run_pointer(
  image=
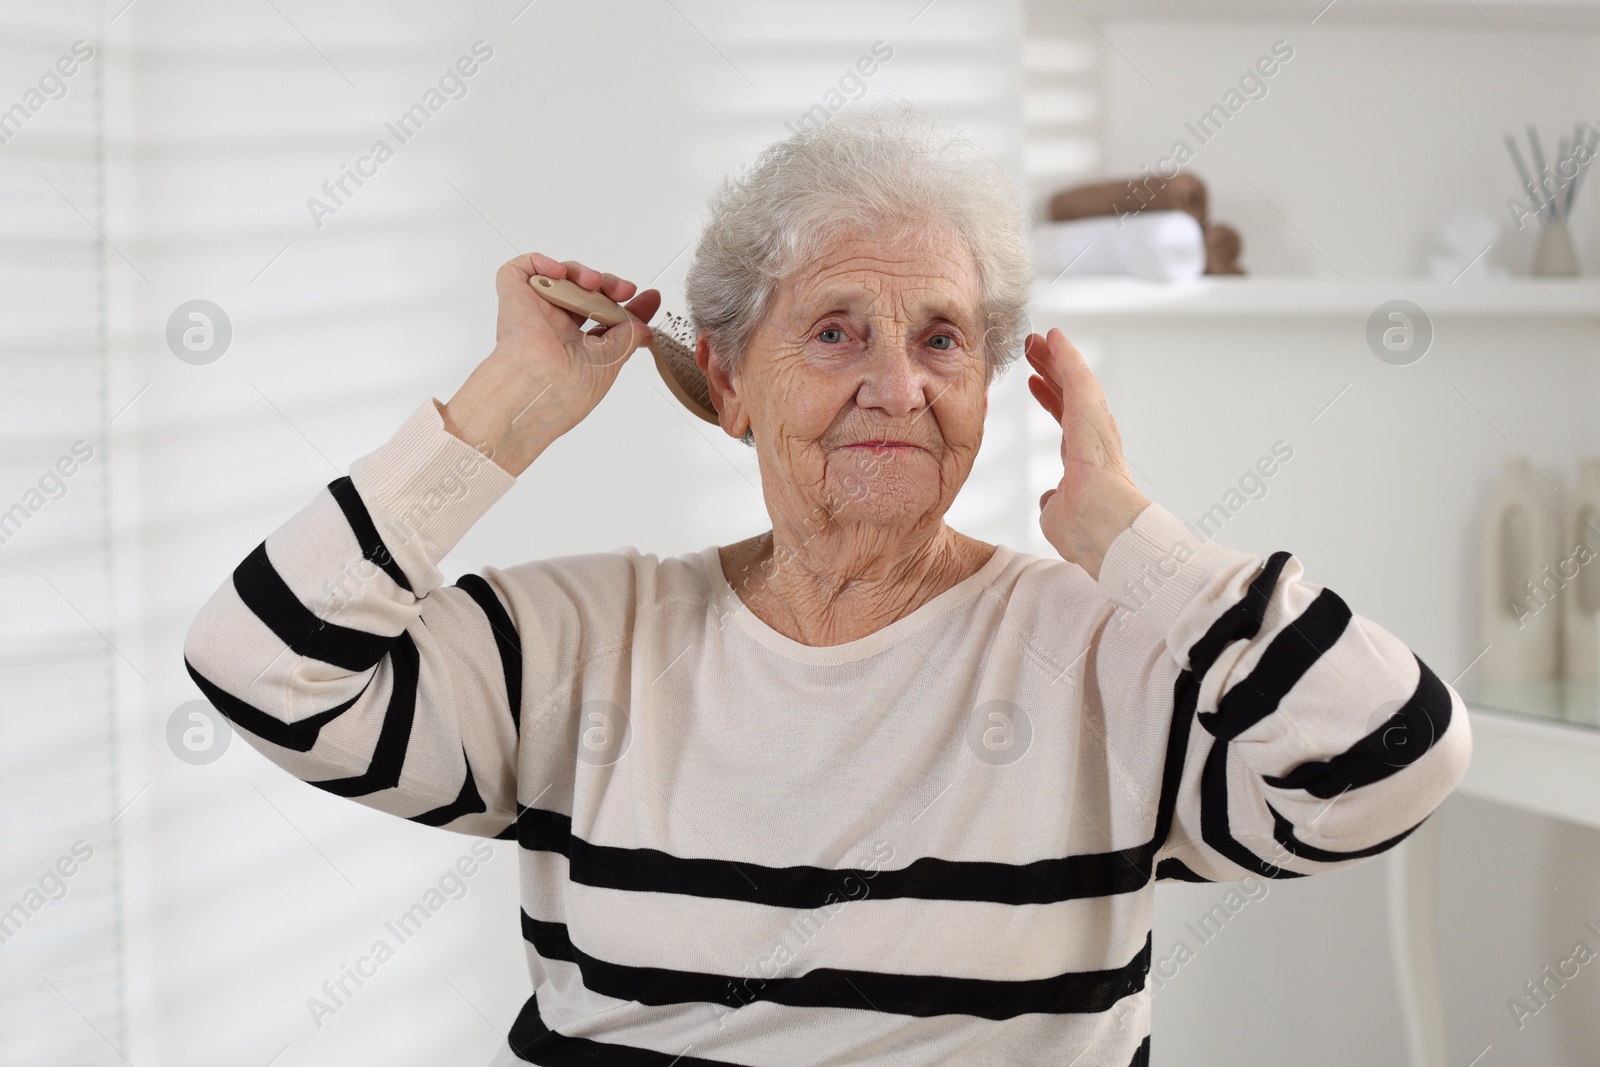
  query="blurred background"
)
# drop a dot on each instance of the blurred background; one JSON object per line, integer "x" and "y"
{"x": 184, "y": 159}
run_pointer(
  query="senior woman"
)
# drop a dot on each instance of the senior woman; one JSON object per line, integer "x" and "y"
{"x": 861, "y": 789}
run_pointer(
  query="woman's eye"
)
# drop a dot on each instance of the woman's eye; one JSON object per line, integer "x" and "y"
{"x": 831, "y": 336}
{"x": 942, "y": 341}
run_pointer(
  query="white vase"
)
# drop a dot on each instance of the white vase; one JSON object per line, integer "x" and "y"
{"x": 1521, "y": 621}
{"x": 1580, "y": 621}
{"x": 1553, "y": 256}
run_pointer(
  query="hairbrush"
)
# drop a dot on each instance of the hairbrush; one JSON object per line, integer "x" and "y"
{"x": 672, "y": 342}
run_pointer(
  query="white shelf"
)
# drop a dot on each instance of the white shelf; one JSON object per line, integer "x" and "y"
{"x": 1486, "y": 14}
{"x": 1131, "y": 298}
{"x": 1552, "y": 768}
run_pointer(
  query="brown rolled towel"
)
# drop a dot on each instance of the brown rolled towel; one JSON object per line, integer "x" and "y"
{"x": 1183, "y": 192}
{"x": 1223, "y": 245}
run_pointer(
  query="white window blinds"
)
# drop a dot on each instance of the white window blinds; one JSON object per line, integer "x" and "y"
{"x": 61, "y": 995}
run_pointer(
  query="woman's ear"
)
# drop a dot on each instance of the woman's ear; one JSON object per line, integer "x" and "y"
{"x": 724, "y": 391}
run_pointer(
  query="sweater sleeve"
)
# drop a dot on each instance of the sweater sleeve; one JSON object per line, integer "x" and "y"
{"x": 335, "y": 651}
{"x": 1305, "y": 737}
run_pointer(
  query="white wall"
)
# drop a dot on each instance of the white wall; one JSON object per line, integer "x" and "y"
{"x": 1367, "y": 139}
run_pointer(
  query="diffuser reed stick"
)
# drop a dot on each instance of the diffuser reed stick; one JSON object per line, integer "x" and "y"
{"x": 1552, "y": 190}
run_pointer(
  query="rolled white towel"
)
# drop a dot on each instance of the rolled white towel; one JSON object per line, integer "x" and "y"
{"x": 1162, "y": 246}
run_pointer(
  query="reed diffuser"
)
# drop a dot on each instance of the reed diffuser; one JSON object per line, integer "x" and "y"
{"x": 1550, "y": 194}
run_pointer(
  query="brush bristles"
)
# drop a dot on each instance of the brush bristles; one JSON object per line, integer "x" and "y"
{"x": 674, "y": 343}
{"x": 679, "y": 328}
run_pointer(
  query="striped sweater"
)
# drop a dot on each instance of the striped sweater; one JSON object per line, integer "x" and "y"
{"x": 936, "y": 844}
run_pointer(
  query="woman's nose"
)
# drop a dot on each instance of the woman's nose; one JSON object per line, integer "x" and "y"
{"x": 894, "y": 381}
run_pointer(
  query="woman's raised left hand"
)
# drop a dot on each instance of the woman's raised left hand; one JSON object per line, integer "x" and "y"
{"x": 1096, "y": 499}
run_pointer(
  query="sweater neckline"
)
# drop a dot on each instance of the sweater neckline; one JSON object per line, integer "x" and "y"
{"x": 729, "y": 604}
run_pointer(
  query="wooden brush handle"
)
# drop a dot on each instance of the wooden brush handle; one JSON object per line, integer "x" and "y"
{"x": 577, "y": 299}
{"x": 675, "y": 362}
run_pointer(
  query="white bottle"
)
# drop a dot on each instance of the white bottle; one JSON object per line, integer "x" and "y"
{"x": 1580, "y": 601}
{"x": 1521, "y": 599}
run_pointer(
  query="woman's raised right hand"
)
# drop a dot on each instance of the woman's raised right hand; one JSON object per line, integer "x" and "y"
{"x": 545, "y": 374}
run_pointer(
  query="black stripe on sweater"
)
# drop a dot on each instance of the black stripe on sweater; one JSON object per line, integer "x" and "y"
{"x": 467, "y": 802}
{"x": 1397, "y": 742}
{"x": 1215, "y": 828}
{"x": 1185, "y": 692}
{"x": 394, "y": 736}
{"x": 923, "y": 996}
{"x": 506, "y": 640}
{"x": 534, "y": 1042}
{"x": 1141, "y": 1055}
{"x": 298, "y": 736}
{"x": 1286, "y": 659}
{"x": 1283, "y": 833}
{"x": 1173, "y": 869}
{"x": 1242, "y": 621}
{"x": 366, "y": 532}
{"x": 648, "y": 870}
{"x": 266, "y": 594}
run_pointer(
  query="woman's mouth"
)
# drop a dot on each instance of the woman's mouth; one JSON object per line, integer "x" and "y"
{"x": 882, "y": 446}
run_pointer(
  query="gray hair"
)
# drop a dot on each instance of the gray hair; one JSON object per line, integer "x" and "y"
{"x": 865, "y": 169}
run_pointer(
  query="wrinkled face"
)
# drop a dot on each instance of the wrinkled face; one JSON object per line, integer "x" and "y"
{"x": 867, "y": 383}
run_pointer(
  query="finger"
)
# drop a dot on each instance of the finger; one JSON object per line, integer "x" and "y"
{"x": 643, "y": 307}
{"x": 1079, "y": 388}
{"x": 1047, "y": 399}
{"x": 1036, "y": 352}
{"x": 1050, "y": 388}
{"x": 598, "y": 330}
{"x": 587, "y": 277}
{"x": 1045, "y": 498}
{"x": 546, "y": 265}
{"x": 1068, "y": 360}
{"x": 511, "y": 280}
{"x": 532, "y": 263}
{"x": 616, "y": 343}
{"x": 646, "y": 304}
{"x": 618, "y": 289}
{"x": 1041, "y": 358}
